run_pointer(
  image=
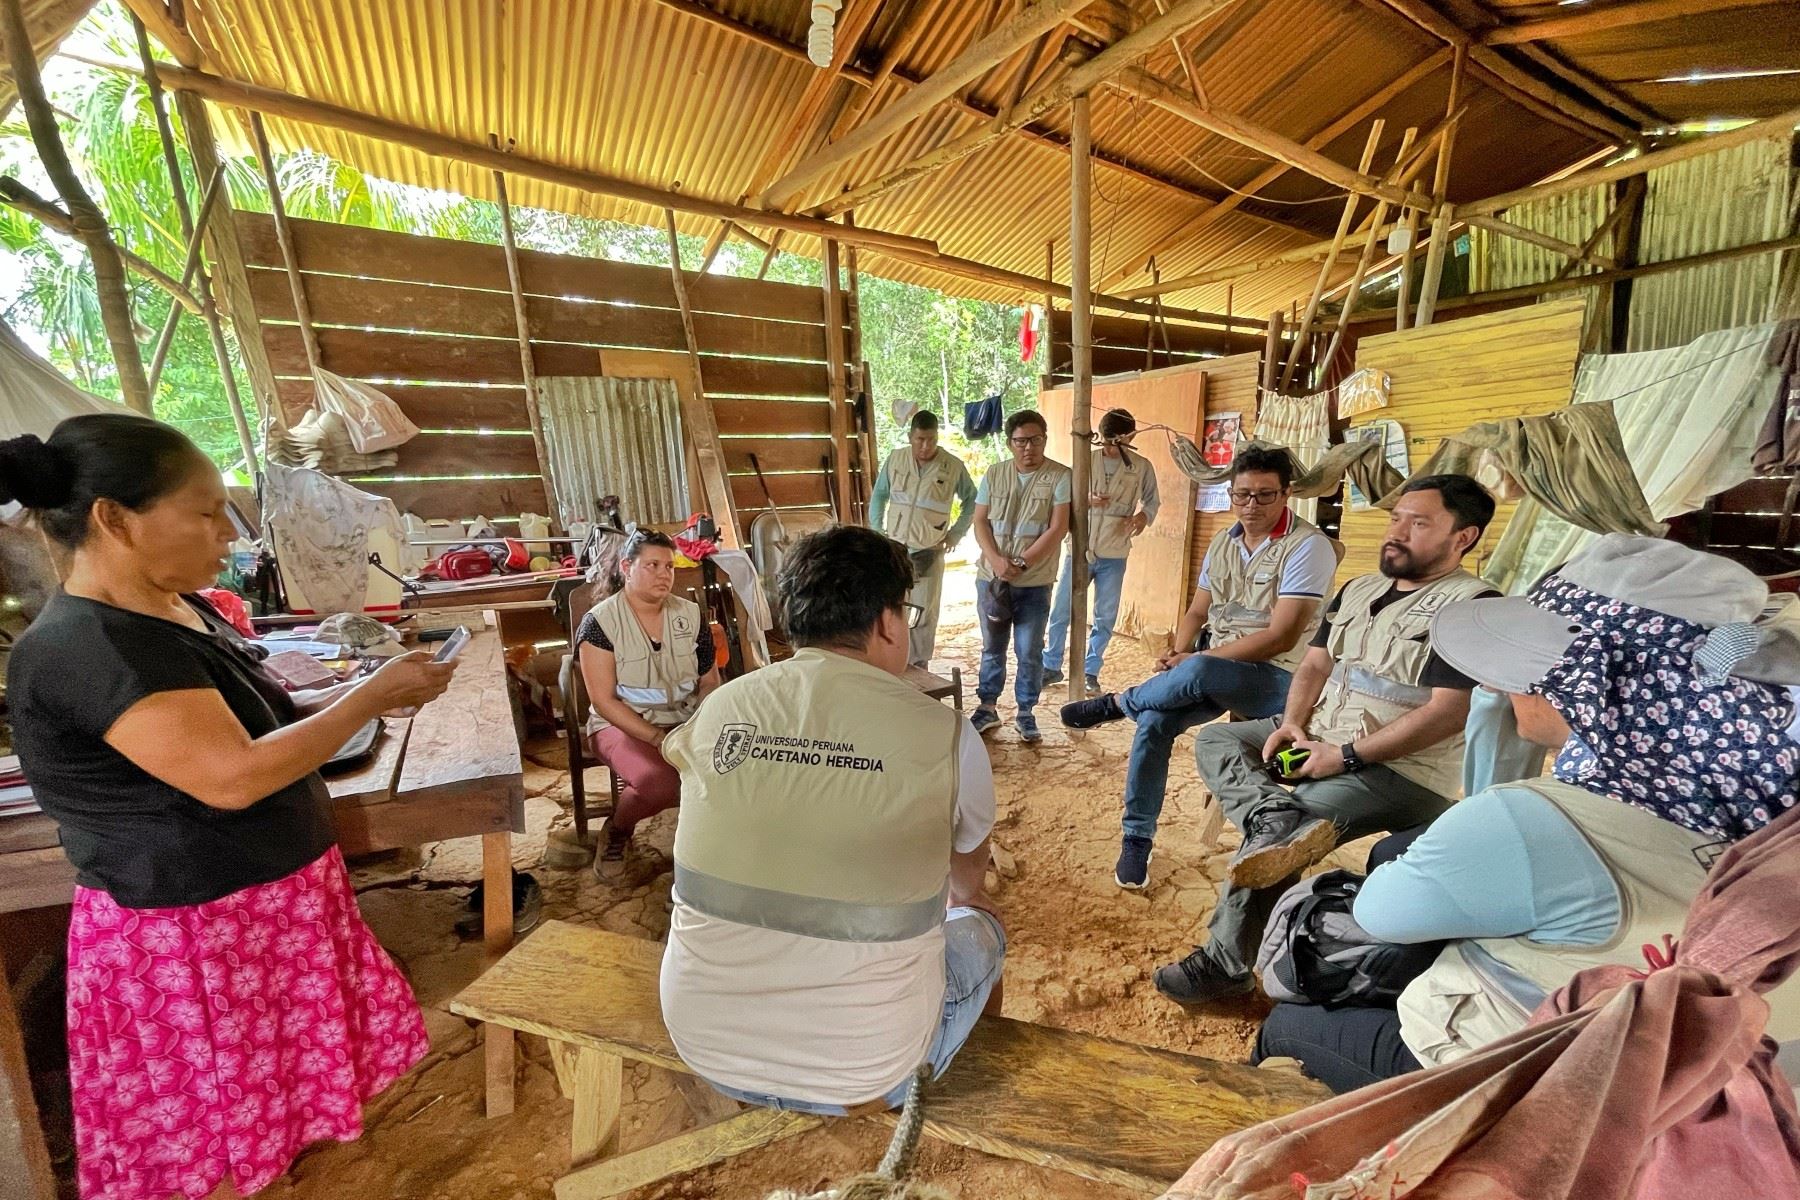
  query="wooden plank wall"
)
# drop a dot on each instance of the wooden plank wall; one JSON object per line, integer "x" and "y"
{"x": 1119, "y": 345}
{"x": 1744, "y": 524}
{"x": 1231, "y": 386}
{"x": 431, "y": 321}
{"x": 1450, "y": 376}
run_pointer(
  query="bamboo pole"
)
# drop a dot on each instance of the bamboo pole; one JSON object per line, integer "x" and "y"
{"x": 835, "y": 364}
{"x": 967, "y": 67}
{"x": 1272, "y": 350}
{"x": 1362, "y": 266}
{"x": 865, "y": 400}
{"x": 284, "y": 236}
{"x": 1441, "y": 218}
{"x": 1337, "y": 243}
{"x": 697, "y": 413}
{"x": 193, "y": 227}
{"x": 1081, "y": 330}
{"x": 522, "y": 322}
{"x": 1299, "y": 254}
{"x": 770, "y": 251}
{"x": 1616, "y": 16}
{"x": 16, "y": 195}
{"x": 1440, "y": 186}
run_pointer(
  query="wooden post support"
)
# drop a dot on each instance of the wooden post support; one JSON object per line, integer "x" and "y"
{"x": 1081, "y": 326}
{"x": 284, "y": 236}
{"x": 1434, "y": 264}
{"x": 90, "y": 223}
{"x": 1271, "y": 364}
{"x": 521, "y": 321}
{"x": 862, "y": 394}
{"x": 1631, "y": 195}
{"x": 697, "y": 412}
{"x": 193, "y": 227}
{"x": 497, "y": 938}
{"x": 835, "y": 364}
{"x": 1362, "y": 266}
{"x": 1331, "y": 256}
{"x": 25, "y": 1170}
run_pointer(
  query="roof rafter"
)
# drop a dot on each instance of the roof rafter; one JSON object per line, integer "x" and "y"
{"x": 1616, "y": 16}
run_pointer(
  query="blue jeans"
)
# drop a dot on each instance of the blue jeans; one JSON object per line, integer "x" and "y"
{"x": 1170, "y": 703}
{"x": 1031, "y": 612}
{"x": 974, "y": 951}
{"x": 1109, "y": 584}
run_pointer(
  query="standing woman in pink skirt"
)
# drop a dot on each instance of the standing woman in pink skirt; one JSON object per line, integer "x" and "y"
{"x": 227, "y": 1006}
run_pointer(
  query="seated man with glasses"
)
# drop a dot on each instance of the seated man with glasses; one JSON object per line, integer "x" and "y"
{"x": 1021, "y": 518}
{"x": 1261, "y": 587}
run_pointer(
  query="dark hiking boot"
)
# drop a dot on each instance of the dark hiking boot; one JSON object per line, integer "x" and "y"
{"x": 985, "y": 720}
{"x": 1133, "y": 869}
{"x": 1196, "y": 981}
{"x": 1085, "y": 714}
{"x": 1052, "y": 678}
{"x": 1093, "y": 684}
{"x": 1279, "y": 842}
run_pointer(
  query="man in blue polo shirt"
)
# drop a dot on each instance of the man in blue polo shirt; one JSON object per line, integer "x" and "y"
{"x": 1261, "y": 587}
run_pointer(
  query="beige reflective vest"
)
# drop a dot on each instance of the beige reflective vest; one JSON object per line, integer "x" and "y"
{"x": 1109, "y": 534}
{"x": 1483, "y": 989}
{"x": 1380, "y": 669}
{"x": 1244, "y": 592}
{"x": 1020, "y": 514}
{"x": 818, "y": 797}
{"x": 920, "y": 497}
{"x": 657, "y": 684}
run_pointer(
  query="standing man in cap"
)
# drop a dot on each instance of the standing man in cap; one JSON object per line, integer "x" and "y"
{"x": 1378, "y": 716}
{"x": 911, "y": 503}
{"x": 1122, "y": 502}
{"x": 1021, "y": 518}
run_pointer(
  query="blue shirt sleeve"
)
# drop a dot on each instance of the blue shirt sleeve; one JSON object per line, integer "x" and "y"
{"x": 981, "y": 493}
{"x": 1505, "y": 863}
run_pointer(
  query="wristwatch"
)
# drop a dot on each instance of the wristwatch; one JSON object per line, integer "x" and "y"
{"x": 1352, "y": 760}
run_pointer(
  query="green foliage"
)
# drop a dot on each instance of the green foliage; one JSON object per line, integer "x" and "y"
{"x": 923, "y": 347}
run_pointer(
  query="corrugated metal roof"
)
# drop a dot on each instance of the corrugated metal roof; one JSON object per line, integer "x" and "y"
{"x": 654, "y": 93}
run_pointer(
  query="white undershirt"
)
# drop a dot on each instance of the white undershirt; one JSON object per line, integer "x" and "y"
{"x": 804, "y": 1018}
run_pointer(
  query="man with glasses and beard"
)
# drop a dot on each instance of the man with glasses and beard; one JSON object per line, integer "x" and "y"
{"x": 1379, "y": 718}
{"x": 1261, "y": 587}
{"x": 1021, "y": 518}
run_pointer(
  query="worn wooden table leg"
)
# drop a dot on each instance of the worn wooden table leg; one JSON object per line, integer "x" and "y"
{"x": 24, "y": 1162}
{"x": 599, "y": 1091}
{"x": 497, "y": 936}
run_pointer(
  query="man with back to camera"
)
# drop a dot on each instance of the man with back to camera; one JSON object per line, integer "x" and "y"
{"x": 830, "y": 813}
{"x": 911, "y": 502}
{"x": 1378, "y": 714}
{"x": 1260, "y": 591}
{"x": 1122, "y": 502}
{"x": 1021, "y": 518}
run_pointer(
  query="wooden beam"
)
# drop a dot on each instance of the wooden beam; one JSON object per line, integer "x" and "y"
{"x": 1370, "y": 105}
{"x": 1614, "y": 16}
{"x": 696, "y": 411}
{"x": 331, "y": 116}
{"x": 1441, "y": 217}
{"x": 1310, "y": 252}
{"x": 16, "y": 195}
{"x": 1271, "y": 362}
{"x": 1535, "y": 237}
{"x": 1593, "y": 85}
{"x": 742, "y": 29}
{"x": 1304, "y": 330}
{"x": 1081, "y": 338}
{"x": 1531, "y": 291}
{"x": 1362, "y": 263}
{"x": 87, "y": 222}
{"x": 527, "y": 367}
{"x": 967, "y": 67}
{"x": 161, "y": 24}
{"x": 836, "y": 364}
{"x": 1778, "y": 127}
{"x": 284, "y": 236}
{"x": 690, "y": 1151}
{"x": 1619, "y": 212}
{"x": 1083, "y": 78}
{"x": 910, "y": 24}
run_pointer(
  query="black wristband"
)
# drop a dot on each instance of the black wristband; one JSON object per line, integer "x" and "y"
{"x": 1352, "y": 760}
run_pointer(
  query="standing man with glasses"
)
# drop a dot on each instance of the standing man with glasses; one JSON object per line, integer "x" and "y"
{"x": 911, "y": 503}
{"x": 1261, "y": 587}
{"x": 1122, "y": 502}
{"x": 1021, "y": 518}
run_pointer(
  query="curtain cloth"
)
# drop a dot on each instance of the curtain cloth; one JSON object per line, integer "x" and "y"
{"x": 1303, "y": 425}
{"x": 322, "y": 528}
{"x": 1649, "y": 1085}
{"x": 1688, "y": 417}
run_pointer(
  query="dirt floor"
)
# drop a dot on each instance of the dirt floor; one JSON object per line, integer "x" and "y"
{"x": 1081, "y": 955}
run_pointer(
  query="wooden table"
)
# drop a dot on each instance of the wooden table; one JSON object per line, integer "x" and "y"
{"x": 452, "y": 771}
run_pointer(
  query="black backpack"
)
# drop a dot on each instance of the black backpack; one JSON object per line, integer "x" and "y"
{"x": 1314, "y": 952}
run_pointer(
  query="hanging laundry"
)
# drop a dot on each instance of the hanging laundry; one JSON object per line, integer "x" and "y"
{"x": 1031, "y": 323}
{"x": 323, "y": 531}
{"x": 983, "y": 418}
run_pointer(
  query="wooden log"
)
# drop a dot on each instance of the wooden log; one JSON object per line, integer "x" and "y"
{"x": 1272, "y": 351}
{"x": 16, "y": 195}
{"x": 1081, "y": 313}
{"x": 527, "y": 371}
{"x": 1299, "y": 254}
{"x": 696, "y": 410}
{"x": 193, "y": 231}
{"x": 1362, "y": 269}
{"x": 837, "y": 365}
{"x": 701, "y": 1147}
{"x": 966, "y": 68}
{"x": 1337, "y": 244}
{"x": 284, "y": 236}
{"x": 1434, "y": 265}
{"x": 1536, "y": 238}
{"x": 159, "y": 20}
{"x": 497, "y": 933}
{"x": 1615, "y": 16}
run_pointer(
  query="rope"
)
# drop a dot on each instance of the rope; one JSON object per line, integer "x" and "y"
{"x": 888, "y": 1181}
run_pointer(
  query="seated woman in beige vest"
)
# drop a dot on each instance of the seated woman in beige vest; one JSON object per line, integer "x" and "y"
{"x": 647, "y": 661}
{"x": 1640, "y": 660}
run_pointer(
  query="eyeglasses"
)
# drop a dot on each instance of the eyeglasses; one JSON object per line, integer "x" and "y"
{"x": 915, "y": 616}
{"x": 1026, "y": 443}
{"x": 1248, "y": 497}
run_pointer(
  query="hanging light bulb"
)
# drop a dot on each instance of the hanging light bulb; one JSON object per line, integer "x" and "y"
{"x": 821, "y": 39}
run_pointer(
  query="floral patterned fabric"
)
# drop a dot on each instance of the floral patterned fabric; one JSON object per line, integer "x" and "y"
{"x": 1649, "y": 733}
{"x": 222, "y": 1038}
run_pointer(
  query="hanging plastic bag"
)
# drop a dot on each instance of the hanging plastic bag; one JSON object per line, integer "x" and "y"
{"x": 375, "y": 422}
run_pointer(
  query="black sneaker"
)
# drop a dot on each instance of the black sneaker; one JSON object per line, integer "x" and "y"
{"x": 1093, "y": 685}
{"x": 1133, "y": 869}
{"x": 1196, "y": 980}
{"x": 1052, "y": 678}
{"x": 1085, "y": 714}
{"x": 1279, "y": 842}
{"x": 528, "y": 907}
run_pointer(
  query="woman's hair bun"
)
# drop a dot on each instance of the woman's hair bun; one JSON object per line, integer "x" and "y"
{"x": 34, "y": 473}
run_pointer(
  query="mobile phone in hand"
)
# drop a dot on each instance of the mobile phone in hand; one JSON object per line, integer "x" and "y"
{"x": 453, "y": 645}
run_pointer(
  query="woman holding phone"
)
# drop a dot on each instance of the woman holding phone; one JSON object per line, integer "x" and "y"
{"x": 647, "y": 660}
{"x": 226, "y": 1004}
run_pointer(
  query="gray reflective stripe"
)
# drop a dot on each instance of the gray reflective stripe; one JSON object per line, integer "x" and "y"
{"x": 1025, "y": 528}
{"x": 1239, "y": 615}
{"x": 649, "y": 697}
{"x": 1371, "y": 684}
{"x": 924, "y": 502}
{"x": 808, "y": 916}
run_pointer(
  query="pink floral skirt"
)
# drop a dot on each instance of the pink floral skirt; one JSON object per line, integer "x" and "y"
{"x": 220, "y": 1039}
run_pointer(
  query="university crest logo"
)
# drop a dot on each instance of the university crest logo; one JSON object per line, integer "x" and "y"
{"x": 733, "y": 747}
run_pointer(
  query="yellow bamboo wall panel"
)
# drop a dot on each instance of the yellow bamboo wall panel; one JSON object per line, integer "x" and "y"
{"x": 1448, "y": 377}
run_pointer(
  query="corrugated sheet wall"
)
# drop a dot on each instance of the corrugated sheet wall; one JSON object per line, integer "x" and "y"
{"x": 616, "y": 437}
{"x": 1729, "y": 198}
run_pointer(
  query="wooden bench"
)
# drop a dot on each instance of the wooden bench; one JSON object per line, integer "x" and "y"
{"x": 936, "y": 686}
{"x": 1094, "y": 1108}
